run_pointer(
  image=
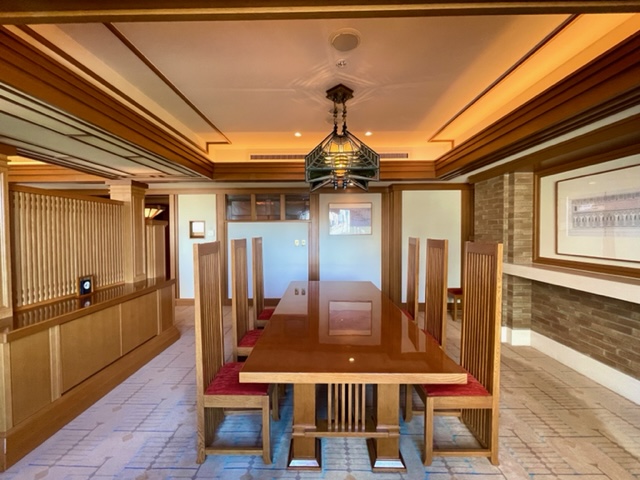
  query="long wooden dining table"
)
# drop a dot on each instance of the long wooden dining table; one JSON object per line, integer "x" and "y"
{"x": 346, "y": 348}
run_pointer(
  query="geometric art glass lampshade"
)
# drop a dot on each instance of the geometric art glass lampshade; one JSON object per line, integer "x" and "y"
{"x": 341, "y": 159}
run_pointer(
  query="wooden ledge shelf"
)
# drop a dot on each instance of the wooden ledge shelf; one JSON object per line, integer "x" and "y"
{"x": 612, "y": 286}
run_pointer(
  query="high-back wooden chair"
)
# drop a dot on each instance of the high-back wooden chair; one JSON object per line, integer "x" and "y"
{"x": 435, "y": 296}
{"x": 413, "y": 277}
{"x": 244, "y": 333}
{"x": 479, "y": 354}
{"x": 261, "y": 314}
{"x": 217, "y": 383}
{"x": 435, "y": 291}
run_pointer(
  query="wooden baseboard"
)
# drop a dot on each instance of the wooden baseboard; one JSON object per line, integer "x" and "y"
{"x": 23, "y": 438}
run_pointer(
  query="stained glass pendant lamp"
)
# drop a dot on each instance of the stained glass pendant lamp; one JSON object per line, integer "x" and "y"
{"x": 341, "y": 159}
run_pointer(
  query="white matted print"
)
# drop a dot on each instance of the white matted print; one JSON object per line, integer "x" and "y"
{"x": 598, "y": 215}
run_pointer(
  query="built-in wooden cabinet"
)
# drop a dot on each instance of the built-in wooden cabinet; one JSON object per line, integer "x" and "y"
{"x": 263, "y": 207}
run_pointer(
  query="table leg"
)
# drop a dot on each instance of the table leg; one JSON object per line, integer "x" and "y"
{"x": 385, "y": 452}
{"x": 304, "y": 452}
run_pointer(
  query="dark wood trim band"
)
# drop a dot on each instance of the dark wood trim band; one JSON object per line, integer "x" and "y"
{"x": 66, "y": 11}
{"x": 602, "y": 88}
{"x": 28, "y": 70}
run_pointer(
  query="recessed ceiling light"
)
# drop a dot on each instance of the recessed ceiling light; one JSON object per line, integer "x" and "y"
{"x": 368, "y": 134}
{"x": 297, "y": 134}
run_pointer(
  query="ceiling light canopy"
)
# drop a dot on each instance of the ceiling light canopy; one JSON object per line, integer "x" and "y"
{"x": 341, "y": 159}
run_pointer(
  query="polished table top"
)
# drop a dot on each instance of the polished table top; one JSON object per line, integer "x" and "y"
{"x": 345, "y": 332}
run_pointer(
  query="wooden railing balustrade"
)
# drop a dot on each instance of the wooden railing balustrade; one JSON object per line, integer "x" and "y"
{"x": 58, "y": 237}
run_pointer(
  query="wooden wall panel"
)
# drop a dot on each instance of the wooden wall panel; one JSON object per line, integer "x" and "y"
{"x": 30, "y": 374}
{"x": 59, "y": 237}
{"x": 156, "y": 267}
{"x": 139, "y": 321}
{"x": 6, "y": 304}
{"x": 166, "y": 301}
{"x": 89, "y": 344}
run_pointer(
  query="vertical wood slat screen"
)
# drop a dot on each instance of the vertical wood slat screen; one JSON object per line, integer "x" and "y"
{"x": 346, "y": 407}
{"x": 57, "y": 238}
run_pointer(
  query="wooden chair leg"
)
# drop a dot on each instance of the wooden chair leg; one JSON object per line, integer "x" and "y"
{"x": 275, "y": 402}
{"x": 428, "y": 431}
{"x": 266, "y": 432}
{"x": 408, "y": 402}
{"x": 494, "y": 440}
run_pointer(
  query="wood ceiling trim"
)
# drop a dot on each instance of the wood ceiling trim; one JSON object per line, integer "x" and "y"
{"x": 48, "y": 174}
{"x": 65, "y": 11}
{"x": 54, "y": 48}
{"x": 28, "y": 70}
{"x": 602, "y": 88}
{"x": 612, "y": 141}
{"x": 151, "y": 66}
{"x": 390, "y": 170}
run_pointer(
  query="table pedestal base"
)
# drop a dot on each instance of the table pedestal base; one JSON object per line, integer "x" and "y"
{"x": 304, "y": 463}
{"x": 384, "y": 464}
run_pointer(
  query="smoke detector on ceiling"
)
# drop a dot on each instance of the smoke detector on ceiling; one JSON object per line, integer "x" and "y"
{"x": 345, "y": 39}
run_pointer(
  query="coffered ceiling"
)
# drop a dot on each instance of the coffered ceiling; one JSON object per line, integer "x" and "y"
{"x": 180, "y": 94}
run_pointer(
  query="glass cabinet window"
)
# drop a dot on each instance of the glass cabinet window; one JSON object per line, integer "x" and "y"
{"x": 239, "y": 207}
{"x": 296, "y": 207}
{"x": 267, "y": 207}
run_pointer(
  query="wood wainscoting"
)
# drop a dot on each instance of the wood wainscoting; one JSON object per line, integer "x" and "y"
{"x": 55, "y": 366}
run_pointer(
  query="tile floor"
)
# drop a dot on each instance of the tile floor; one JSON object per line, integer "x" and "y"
{"x": 555, "y": 423}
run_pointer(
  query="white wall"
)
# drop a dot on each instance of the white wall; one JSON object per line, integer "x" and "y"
{"x": 283, "y": 260}
{"x": 351, "y": 257}
{"x": 193, "y": 207}
{"x": 431, "y": 214}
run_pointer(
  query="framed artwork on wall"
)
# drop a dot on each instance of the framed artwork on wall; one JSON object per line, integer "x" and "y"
{"x": 598, "y": 215}
{"x": 196, "y": 229}
{"x": 350, "y": 219}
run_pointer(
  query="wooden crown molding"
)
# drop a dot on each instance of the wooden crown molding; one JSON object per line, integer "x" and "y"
{"x": 606, "y": 143}
{"x": 46, "y": 173}
{"x": 602, "y": 88}
{"x": 65, "y": 11}
{"x": 30, "y": 71}
{"x": 293, "y": 171}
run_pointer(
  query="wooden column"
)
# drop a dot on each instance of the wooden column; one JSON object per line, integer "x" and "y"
{"x": 132, "y": 194}
{"x": 6, "y": 303}
{"x": 156, "y": 267}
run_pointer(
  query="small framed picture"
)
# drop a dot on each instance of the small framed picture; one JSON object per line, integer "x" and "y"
{"x": 196, "y": 229}
{"x": 85, "y": 285}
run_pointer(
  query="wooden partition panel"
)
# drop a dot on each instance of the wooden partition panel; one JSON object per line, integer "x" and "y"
{"x": 59, "y": 237}
{"x": 139, "y": 321}
{"x": 31, "y": 375}
{"x": 88, "y": 344}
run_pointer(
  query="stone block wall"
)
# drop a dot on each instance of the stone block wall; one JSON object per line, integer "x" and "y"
{"x": 605, "y": 329}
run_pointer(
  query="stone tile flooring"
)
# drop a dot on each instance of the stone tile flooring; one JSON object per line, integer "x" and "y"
{"x": 555, "y": 423}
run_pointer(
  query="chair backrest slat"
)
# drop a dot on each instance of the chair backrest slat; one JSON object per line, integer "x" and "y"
{"x": 209, "y": 334}
{"x": 413, "y": 269}
{"x": 435, "y": 315}
{"x": 482, "y": 313}
{"x": 257, "y": 277}
{"x": 240, "y": 290}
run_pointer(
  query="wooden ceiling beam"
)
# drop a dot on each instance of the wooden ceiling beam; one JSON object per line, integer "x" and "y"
{"x": 79, "y": 11}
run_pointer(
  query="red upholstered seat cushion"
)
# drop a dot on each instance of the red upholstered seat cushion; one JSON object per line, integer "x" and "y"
{"x": 472, "y": 388}
{"x": 250, "y": 338}
{"x": 454, "y": 291}
{"x": 227, "y": 382}
{"x": 266, "y": 314}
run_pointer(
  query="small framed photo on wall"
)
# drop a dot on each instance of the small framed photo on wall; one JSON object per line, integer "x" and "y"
{"x": 196, "y": 229}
